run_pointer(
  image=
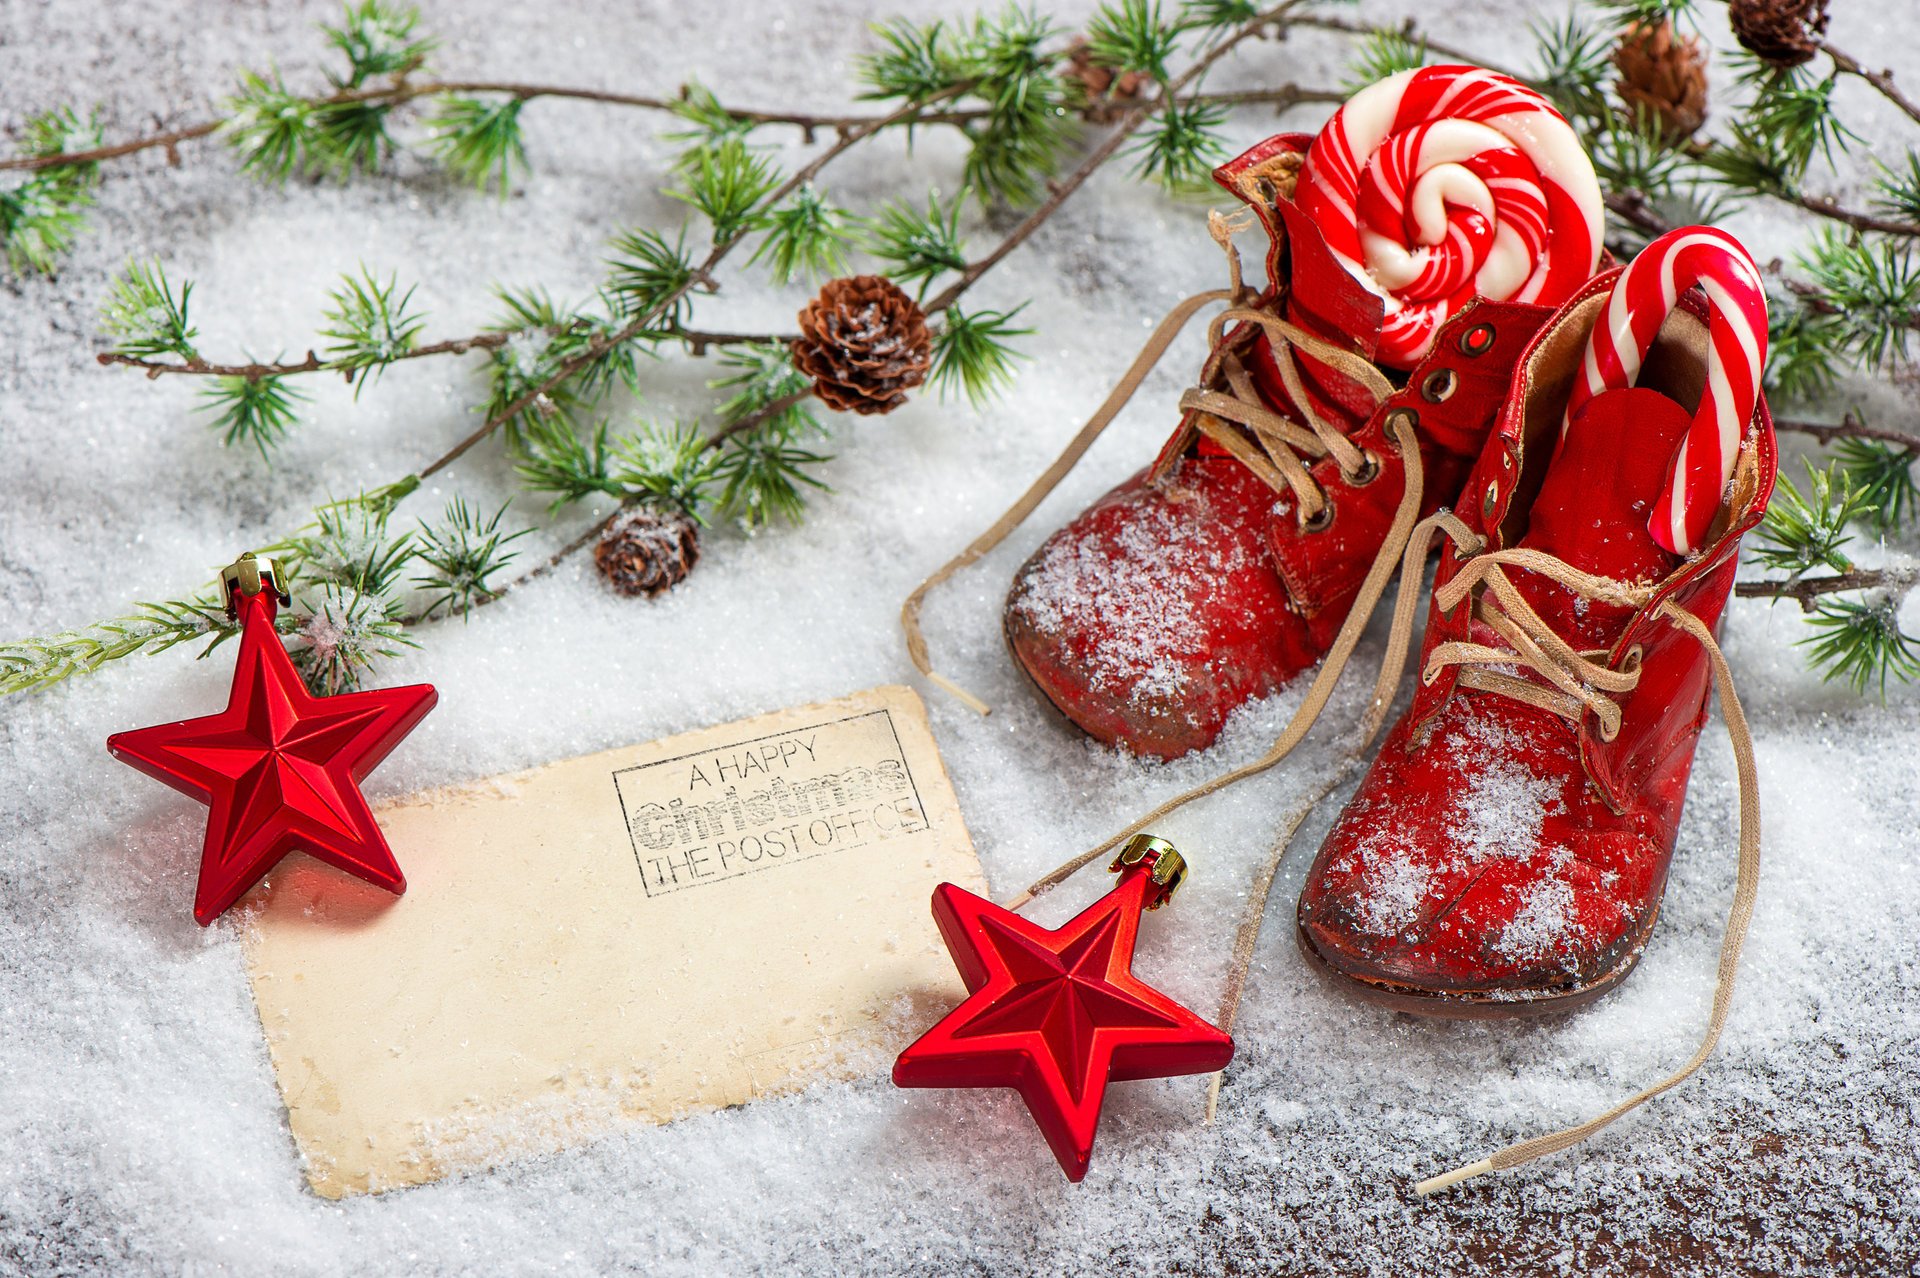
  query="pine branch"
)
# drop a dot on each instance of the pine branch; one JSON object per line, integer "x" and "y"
{"x": 1632, "y": 204}
{"x": 1859, "y": 641}
{"x": 634, "y": 327}
{"x": 751, "y": 422}
{"x": 400, "y": 93}
{"x": 27, "y": 664}
{"x": 542, "y": 569}
{"x": 809, "y": 123}
{"x": 1124, "y": 129}
{"x": 745, "y": 425}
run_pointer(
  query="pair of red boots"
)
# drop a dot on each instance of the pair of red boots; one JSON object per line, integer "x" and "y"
{"x": 1508, "y": 849}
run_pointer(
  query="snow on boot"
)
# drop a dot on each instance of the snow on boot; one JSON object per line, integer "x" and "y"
{"x": 1507, "y": 851}
{"x": 1227, "y": 567}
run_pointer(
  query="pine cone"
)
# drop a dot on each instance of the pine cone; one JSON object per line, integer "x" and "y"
{"x": 864, "y": 343}
{"x": 646, "y": 551}
{"x": 1663, "y": 77}
{"x": 1783, "y": 32}
{"x": 1107, "y": 93}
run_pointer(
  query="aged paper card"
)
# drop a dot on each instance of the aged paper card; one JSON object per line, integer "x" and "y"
{"x": 638, "y": 934}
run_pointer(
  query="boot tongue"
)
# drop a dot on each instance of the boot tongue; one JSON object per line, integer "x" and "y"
{"x": 1593, "y": 508}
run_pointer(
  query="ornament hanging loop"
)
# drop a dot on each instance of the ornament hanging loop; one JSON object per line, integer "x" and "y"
{"x": 249, "y": 575}
{"x": 1160, "y": 859}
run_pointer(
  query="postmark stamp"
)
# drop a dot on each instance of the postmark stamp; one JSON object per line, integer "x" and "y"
{"x": 748, "y": 806}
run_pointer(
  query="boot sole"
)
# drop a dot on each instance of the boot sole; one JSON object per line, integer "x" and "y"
{"x": 1039, "y": 693}
{"x": 1033, "y": 685}
{"x": 1472, "y": 1005}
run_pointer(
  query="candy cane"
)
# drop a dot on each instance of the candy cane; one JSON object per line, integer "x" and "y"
{"x": 1441, "y": 184}
{"x": 1642, "y": 298}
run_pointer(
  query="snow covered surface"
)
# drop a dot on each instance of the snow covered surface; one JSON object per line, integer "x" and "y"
{"x": 140, "y": 1128}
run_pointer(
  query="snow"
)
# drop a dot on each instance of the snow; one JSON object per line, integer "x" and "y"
{"x": 1545, "y": 923}
{"x": 1128, "y": 597}
{"x": 140, "y": 1127}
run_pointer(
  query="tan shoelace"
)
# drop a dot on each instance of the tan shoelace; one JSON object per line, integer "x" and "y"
{"x": 1579, "y": 681}
{"x": 1580, "y": 684}
{"x": 1273, "y": 453}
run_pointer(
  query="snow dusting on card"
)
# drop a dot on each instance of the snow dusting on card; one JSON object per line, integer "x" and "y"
{"x": 637, "y": 934}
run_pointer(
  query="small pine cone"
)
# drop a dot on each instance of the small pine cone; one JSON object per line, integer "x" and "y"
{"x": 864, "y": 343}
{"x": 646, "y": 551}
{"x": 1785, "y": 33}
{"x": 1107, "y": 93}
{"x": 1663, "y": 77}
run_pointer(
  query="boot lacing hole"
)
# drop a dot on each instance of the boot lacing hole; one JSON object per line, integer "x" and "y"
{"x": 1477, "y": 340}
{"x": 1428, "y": 675}
{"x": 1488, "y": 502}
{"x": 1610, "y": 717}
{"x": 1320, "y": 520}
{"x": 1438, "y": 386}
{"x": 1368, "y": 472}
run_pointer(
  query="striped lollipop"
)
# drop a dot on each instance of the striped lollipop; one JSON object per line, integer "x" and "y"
{"x": 1438, "y": 185}
{"x": 1642, "y": 298}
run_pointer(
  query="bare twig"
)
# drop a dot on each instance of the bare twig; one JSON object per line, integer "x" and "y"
{"x": 1633, "y": 206}
{"x": 169, "y": 140}
{"x": 1829, "y": 208}
{"x": 1881, "y": 80}
{"x": 1287, "y": 95}
{"x": 1408, "y": 30}
{"x": 1807, "y": 591}
{"x": 1848, "y": 427}
{"x": 753, "y": 420}
{"x": 698, "y": 342}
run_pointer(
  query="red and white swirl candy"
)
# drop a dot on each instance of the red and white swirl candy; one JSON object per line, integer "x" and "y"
{"x": 1642, "y": 298}
{"x": 1441, "y": 184}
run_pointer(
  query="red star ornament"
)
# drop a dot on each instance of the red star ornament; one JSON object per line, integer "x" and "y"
{"x": 1058, "y": 1014}
{"x": 279, "y": 768}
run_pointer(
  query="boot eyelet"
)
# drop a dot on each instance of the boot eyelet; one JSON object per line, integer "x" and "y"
{"x": 1488, "y": 502}
{"x": 1319, "y": 522}
{"x": 1631, "y": 663}
{"x": 1428, "y": 674}
{"x": 1399, "y": 417}
{"x": 1477, "y": 340}
{"x": 1368, "y": 472}
{"x": 1439, "y": 385}
{"x": 1609, "y": 728}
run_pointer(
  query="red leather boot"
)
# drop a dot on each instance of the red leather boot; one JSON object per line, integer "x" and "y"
{"x": 1226, "y": 567}
{"x": 1508, "y": 849}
